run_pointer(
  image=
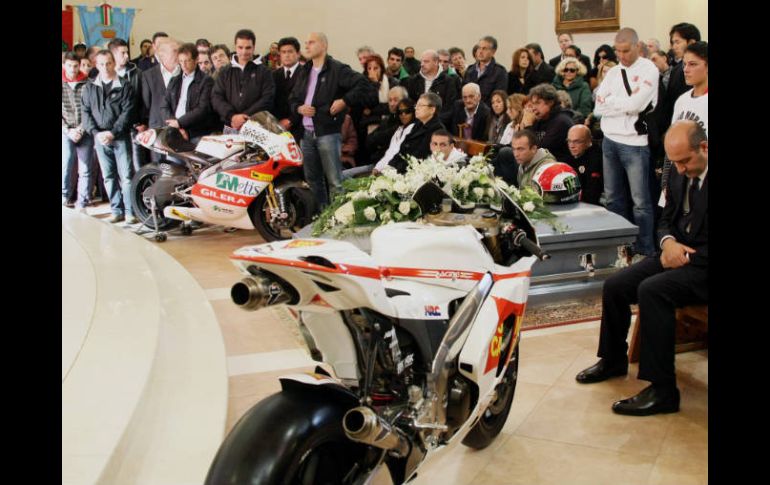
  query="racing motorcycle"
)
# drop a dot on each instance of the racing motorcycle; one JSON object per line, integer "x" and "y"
{"x": 422, "y": 346}
{"x": 249, "y": 179}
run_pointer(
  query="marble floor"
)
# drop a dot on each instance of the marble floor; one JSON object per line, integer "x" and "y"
{"x": 558, "y": 431}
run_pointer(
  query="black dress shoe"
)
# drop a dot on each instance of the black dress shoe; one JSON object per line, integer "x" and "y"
{"x": 602, "y": 370}
{"x": 651, "y": 400}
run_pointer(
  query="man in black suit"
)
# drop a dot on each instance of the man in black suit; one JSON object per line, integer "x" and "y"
{"x": 436, "y": 80}
{"x": 187, "y": 104}
{"x": 676, "y": 277}
{"x": 284, "y": 79}
{"x": 154, "y": 83}
{"x": 565, "y": 40}
{"x": 472, "y": 113}
{"x": 543, "y": 72}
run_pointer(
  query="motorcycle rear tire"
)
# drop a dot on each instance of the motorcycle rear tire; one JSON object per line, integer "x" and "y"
{"x": 288, "y": 438}
{"x": 144, "y": 178}
{"x": 493, "y": 418}
{"x": 300, "y": 205}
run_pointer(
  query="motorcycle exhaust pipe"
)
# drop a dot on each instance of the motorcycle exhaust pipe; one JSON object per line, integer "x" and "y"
{"x": 255, "y": 292}
{"x": 363, "y": 425}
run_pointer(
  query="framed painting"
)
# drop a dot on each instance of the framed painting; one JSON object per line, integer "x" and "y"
{"x": 587, "y": 15}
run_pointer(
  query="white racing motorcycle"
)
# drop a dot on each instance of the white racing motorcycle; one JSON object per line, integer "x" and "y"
{"x": 422, "y": 336}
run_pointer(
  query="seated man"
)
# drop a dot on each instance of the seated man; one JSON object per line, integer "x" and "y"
{"x": 377, "y": 142}
{"x": 529, "y": 156}
{"x": 442, "y": 144}
{"x": 187, "y": 104}
{"x": 471, "y": 113}
{"x": 417, "y": 142}
{"x": 676, "y": 276}
{"x": 586, "y": 159}
{"x": 551, "y": 124}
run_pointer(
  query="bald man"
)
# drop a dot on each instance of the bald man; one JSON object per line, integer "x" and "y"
{"x": 324, "y": 91}
{"x": 677, "y": 276}
{"x": 629, "y": 89}
{"x": 154, "y": 83}
{"x": 472, "y": 113}
{"x": 586, "y": 159}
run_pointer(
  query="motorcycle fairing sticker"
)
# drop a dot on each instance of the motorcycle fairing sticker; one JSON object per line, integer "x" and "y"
{"x": 504, "y": 309}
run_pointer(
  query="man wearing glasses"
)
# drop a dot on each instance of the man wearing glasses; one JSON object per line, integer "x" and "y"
{"x": 417, "y": 142}
{"x": 586, "y": 159}
{"x": 471, "y": 114}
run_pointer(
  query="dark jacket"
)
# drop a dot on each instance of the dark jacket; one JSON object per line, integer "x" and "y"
{"x": 378, "y": 141}
{"x": 480, "y": 120}
{"x": 589, "y": 169}
{"x": 583, "y": 58}
{"x": 199, "y": 118}
{"x": 335, "y": 81}
{"x": 114, "y": 114}
{"x": 494, "y": 77}
{"x": 579, "y": 93}
{"x": 411, "y": 65}
{"x": 147, "y": 63}
{"x": 416, "y": 143}
{"x": 153, "y": 92}
{"x": 544, "y": 74}
{"x": 133, "y": 76}
{"x": 515, "y": 86}
{"x": 676, "y": 190}
{"x": 248, "y": 90}
{"x": 447, "y": 87}
{"x": 283, "y": 88}
{"x": 552, "y": 133}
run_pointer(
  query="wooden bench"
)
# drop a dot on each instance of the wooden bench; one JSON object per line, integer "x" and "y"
{"x": 691, "y": 331}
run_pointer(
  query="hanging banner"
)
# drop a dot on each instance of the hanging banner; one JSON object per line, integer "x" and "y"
{"x": 105, "y": 23}
{"x": 66, "y": 29}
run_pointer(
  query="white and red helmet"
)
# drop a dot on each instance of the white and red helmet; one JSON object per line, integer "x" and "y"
{"x": 557, "y": 183}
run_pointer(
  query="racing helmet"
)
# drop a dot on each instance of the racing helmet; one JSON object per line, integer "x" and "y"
{"x": 557, "y": 183}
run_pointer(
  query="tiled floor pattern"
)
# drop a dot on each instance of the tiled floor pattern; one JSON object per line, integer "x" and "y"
{"x": 558, "y": 432}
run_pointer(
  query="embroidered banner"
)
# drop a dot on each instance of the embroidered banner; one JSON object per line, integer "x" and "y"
{"x": 66, "y": 28}
{"x": 105, "y": 23}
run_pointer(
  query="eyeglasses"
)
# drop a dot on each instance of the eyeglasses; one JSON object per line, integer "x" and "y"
{"x": 418, "y": 105}
{"x": 570, "y": 69}
{"x": 602, "y": 56}
{"x": 405, "y": 111}
{"x": 575, "y": 142}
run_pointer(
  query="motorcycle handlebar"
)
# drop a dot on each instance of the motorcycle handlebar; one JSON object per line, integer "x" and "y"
{"x": 521, "y": 240}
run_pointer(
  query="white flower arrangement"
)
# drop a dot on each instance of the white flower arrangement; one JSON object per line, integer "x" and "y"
{"x": 366, "y": 203}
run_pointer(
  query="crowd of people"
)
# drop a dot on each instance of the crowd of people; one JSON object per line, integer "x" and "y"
{"x": 374, "y": 116}
{"x": 608, "y": 118}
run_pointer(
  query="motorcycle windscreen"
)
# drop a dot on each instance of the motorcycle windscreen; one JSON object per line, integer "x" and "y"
{"x": 264, "y": 130}
{"x": 429, "y": 197}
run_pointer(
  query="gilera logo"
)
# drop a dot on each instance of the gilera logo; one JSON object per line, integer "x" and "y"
{"x": 215, "y": 194}
{"x": 233, "y": 184}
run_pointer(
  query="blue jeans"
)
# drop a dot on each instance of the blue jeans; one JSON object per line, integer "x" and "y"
{"x": 321, "y": 164}
{"x": 82, "y": 154}
{"x": 117, "y": 170}
{"x": 632, "y": 163}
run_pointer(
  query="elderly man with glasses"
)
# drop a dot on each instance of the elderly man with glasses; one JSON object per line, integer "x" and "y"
{"x": 471, "y": 114}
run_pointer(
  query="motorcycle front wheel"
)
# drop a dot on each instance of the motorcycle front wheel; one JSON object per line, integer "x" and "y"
{"x": 493, "y": 419}
{"x": 300, "y": 208}
{"x": 141, "y": 201}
